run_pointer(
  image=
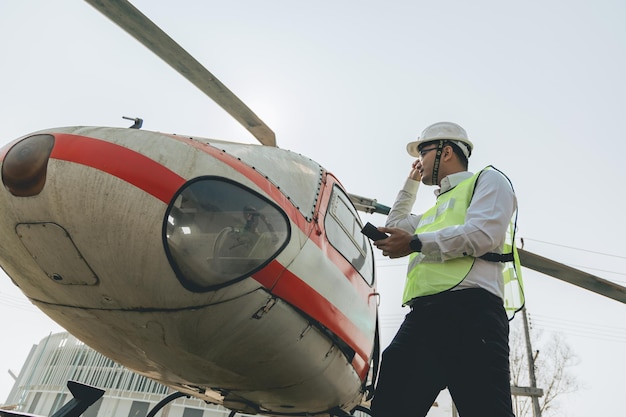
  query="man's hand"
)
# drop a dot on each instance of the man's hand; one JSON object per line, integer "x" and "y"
{"x": 397, "y": 244}
{"x": 416, "y": 169}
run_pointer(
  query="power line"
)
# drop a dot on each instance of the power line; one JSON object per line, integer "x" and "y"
{"x": 574, "y": 248}
{"x": 579, "y": 323}
{"x": 582, "y": 329}
{"x": 586, "y": 251}
{"x": 590, "y": 330}
{"x": 17, "y": 303}
{"x": 588, "y": 335}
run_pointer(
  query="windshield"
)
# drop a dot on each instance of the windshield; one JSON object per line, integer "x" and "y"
{"x": 218, "y": 232}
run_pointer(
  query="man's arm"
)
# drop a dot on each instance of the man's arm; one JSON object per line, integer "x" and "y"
{"x": 401, "y": 224}
{"x": 400, "y": 214}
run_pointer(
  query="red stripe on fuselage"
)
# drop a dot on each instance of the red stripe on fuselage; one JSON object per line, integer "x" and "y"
{"x": 120, "y": 162}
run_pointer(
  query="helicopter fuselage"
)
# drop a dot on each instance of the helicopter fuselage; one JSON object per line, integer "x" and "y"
{"x": 235, "y": 273}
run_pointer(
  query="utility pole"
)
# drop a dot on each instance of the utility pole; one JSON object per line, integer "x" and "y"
{"x": 531, "y": 364}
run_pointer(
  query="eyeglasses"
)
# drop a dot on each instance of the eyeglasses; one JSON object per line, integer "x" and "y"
{"x": 423, "y": 152}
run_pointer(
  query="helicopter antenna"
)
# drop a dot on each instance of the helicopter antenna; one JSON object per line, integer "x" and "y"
{"x": 137, "y": 122}
{"x": 151, "y": 36}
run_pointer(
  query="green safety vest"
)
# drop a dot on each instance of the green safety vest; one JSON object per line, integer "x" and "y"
{"x": 425, "y": 278}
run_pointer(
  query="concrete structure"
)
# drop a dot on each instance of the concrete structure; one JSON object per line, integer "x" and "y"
{"x": 41, "y": 387}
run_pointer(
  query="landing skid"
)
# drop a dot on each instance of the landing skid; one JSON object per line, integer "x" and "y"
{"x": 86, "y": 395}
{"x": 233, "y": 413}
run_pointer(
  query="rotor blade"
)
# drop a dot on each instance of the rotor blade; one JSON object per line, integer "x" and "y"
{"x": 572, "y": 275}
{"x": 150, "y": 35}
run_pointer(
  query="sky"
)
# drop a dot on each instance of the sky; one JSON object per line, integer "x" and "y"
{"x": 538, "y": 85}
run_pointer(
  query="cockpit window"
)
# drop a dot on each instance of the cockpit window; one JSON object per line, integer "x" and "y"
{"x": 343, "y": 229}
{"x": 217, "y": 232}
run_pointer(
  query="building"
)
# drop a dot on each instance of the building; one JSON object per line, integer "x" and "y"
{"x": 41, "y": 387}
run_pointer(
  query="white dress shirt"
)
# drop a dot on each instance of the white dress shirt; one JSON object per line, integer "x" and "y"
{"x": 486, "y": 223}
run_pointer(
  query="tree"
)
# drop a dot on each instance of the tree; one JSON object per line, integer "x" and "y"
{"x": 553, "y": 359}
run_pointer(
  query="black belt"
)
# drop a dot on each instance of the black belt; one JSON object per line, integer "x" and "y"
{"x": 497, "y": 257}
{"x": 456, "y": 295}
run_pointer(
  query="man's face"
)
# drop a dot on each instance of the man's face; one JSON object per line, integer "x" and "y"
{"x": 426, "y": 161}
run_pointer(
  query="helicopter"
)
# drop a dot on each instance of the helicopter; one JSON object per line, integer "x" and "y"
{"x": 233, "y": 273}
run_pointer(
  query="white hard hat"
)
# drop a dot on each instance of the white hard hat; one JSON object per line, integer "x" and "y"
{"x": 442, "y": 131}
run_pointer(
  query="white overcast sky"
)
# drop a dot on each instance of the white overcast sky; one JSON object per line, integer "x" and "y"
{"x": 538, "y": 85}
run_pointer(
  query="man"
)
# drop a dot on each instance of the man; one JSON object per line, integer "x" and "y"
{"x": 244, "y": 241}
{"x": 456, "y": 334}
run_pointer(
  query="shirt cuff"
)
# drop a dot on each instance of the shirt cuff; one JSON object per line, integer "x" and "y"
{"x": 411, "y": 186}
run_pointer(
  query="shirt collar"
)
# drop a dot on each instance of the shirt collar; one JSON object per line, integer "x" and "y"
{"x": 452, "y": 181}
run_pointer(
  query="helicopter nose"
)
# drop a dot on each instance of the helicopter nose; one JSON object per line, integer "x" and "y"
{"x": 25, "y": 165}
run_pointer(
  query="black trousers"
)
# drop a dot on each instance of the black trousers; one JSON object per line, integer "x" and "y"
{"x": 457, "y": 339}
